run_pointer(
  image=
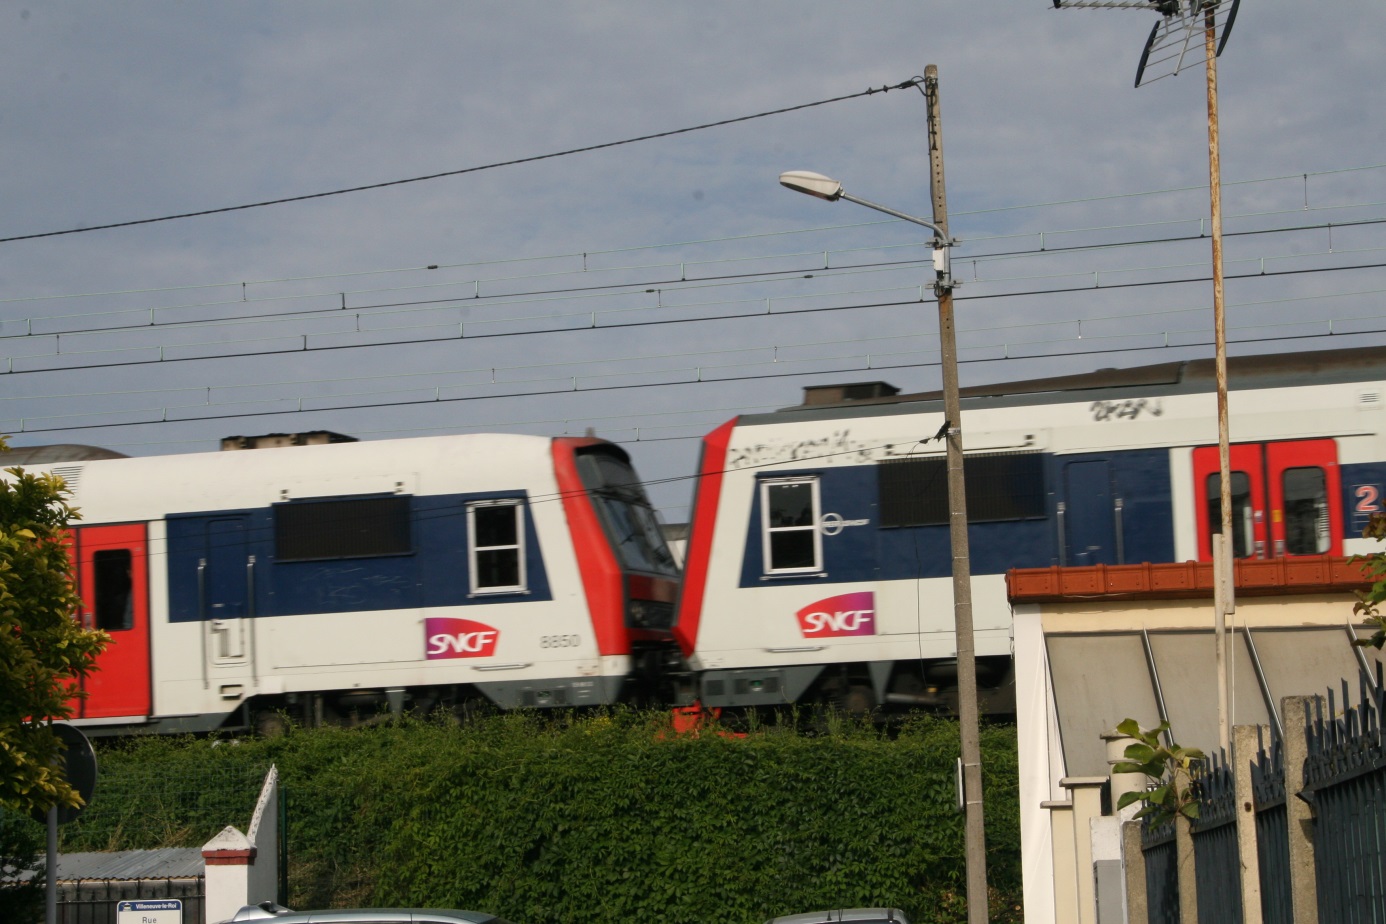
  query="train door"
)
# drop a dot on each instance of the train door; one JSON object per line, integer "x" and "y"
{"x": 113, "y": 582}
{"x": 1089, "y": 521}
{"x": 224, "y": 582}
{"x": 1282, "y": 499}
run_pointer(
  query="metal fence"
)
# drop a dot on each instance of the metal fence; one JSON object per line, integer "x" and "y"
{"x": 1161, "y": 873}
{"x": 1272, "y": 830}
{"x": 1345, "y": 777}
{"x": 1216, "y": 861}
{"x": 95, "y": 901}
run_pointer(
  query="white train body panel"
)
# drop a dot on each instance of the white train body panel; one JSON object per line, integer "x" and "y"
{"x": 426, "y": 570}
{"x": 819, "y": 549}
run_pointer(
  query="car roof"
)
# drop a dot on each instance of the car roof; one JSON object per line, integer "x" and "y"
{"x": 846, "y": 915}
{"x": 275, "y": 914}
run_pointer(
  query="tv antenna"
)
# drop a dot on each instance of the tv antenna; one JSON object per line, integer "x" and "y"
{"x": 1177, "y": 41}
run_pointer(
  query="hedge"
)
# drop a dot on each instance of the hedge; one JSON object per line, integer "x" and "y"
{"x": 574, "y": 819}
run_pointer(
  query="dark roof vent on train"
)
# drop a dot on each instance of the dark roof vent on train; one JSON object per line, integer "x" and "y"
{"x": 856, "y": 391}
{"x": 277, "y": 440}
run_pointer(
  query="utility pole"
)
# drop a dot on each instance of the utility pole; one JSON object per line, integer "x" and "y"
{"x": 976, "y": 843}
{"x": 1225, "y": 604}
{"x": 1170, "y": 48}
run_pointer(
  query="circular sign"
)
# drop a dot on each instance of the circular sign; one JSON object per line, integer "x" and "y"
{"x": 79, "y": 769}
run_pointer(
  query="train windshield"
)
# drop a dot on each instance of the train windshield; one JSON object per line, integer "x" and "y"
{"x": 625, "y": 512}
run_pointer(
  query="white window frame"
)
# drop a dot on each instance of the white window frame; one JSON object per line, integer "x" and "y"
{"x": 474, "y": 548}
{"x": 766, "y": 530}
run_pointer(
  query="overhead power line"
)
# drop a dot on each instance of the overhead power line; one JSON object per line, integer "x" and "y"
{"x": 913, "y": 81}
{"x": 300, "y": 343}
{"x": 157, "y": 416}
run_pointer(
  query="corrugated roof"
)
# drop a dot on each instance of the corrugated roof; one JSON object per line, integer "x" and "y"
{"x": 167, "y": 863}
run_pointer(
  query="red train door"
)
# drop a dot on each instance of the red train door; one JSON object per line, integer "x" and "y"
{"x": 113, "y": 581}
{"x": 1282, "y": 499}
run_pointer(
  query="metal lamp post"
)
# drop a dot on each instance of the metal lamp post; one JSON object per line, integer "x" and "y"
{"x": 815, "y": 184}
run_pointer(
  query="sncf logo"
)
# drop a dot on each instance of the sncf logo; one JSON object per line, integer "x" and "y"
{"x": 845, "y": 614}
{"x": 449, "y": 637}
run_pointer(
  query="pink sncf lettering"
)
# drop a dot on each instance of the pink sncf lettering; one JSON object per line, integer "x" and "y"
{"x": 450, "y": 637}
{"x": 845, "y": 614}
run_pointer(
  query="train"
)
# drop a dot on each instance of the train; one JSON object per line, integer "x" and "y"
{"x": 819, "y": 565}
{"x": 340, "y": 580}
{"x": 344, "y": 580}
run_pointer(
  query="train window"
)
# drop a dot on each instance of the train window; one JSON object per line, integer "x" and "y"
{"x": 362, "y": 527}
{"x": 1306, "y": 511}
{"x": 626, "y": 516}
{"x": 113, "y": 579}
{"x": 789, "y": 510}
{"x": 497, "y": 546}
{"x": 1243, "y": 525}
{"x": 1002, "y": 486}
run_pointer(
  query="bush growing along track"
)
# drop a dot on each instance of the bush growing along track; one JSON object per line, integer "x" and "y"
{"x": 587, "y": 818}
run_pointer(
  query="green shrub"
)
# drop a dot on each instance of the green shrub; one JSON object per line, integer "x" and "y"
{"x": 605, "y": 817}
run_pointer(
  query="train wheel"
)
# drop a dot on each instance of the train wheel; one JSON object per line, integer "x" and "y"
{"x": 859, "y": 701}
{"x": 270, "y": 723}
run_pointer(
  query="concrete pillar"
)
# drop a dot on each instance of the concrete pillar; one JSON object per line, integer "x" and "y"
{"x": 1106, "y": 870}
{"x": 1133, "y": 862}
{"x": 1188, "y": 879}
{"x": 243, "y": 869}
{"x": 1295, "y": 711}
{"x": 1063, "y": 837}
{"x": 229, "y": 858}
{"x": 1085, "y": 792}
{"x": 1244, "y": 746}
{"x": 1122, "y": 783}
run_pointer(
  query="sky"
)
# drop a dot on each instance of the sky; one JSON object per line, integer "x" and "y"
{"x": 646, "y": 291}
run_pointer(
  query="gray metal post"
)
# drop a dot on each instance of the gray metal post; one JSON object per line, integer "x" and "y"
{"x": 957, "y": 529}
{"x": 50, "y": 901}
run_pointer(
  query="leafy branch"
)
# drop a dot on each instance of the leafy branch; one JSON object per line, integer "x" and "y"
{"x": 1373, "y": 569}
{"x": 1169, "y": 768}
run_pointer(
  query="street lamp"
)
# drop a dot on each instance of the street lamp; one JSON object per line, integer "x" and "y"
{"x": 816, "y": 184}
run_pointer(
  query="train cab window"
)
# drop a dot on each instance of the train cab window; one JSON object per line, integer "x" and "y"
{"x": 496, "y": 531}
{"x": 1306, "y": 511}
{"x": 789, "y": 510}
{"x": 625, "y": 512}
{"x": 115, "y": 604}
{"x": 1243, "y": 522}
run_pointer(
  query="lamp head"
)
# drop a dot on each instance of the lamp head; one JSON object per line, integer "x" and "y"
{"x": 814, "y": 184}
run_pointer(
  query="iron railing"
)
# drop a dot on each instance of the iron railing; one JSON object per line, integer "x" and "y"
{"x": 1161, "y": 873}
{"x": 1272, "y": 830}
{"x": 1217, "y": 864}
{"x": 94, "y": 901}
{"x": 1345, "y": 777}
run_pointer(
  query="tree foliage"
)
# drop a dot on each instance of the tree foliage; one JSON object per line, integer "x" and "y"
{"x": 1168, "y": 767}
{"x": 43, "y": 650}
{"x": 21, "y": 853}
{"x": 1373, "y": 569}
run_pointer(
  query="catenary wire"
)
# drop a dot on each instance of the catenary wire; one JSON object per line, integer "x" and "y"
{"x": 913, "y": 81}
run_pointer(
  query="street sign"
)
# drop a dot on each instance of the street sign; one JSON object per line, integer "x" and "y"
{"x": 79, "y": 769}
{"x": 150, "y": 911}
